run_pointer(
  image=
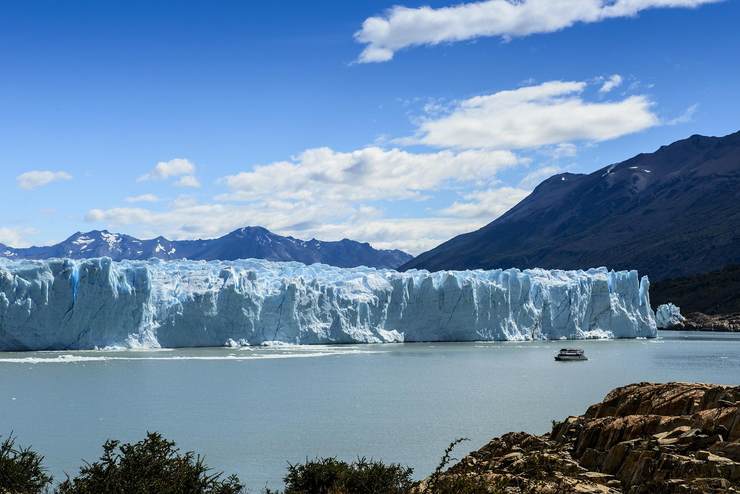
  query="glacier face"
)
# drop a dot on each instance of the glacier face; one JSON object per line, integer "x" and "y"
{"x": 95, "y": 303}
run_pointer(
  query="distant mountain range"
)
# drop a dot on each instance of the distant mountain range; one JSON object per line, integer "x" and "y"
{"x": 249, "y": 242}
{"x": 671, "y": 213}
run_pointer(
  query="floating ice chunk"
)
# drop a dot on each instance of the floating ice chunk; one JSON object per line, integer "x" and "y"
{"x": 668, "y": 316}
{"x": 232, "y": 343}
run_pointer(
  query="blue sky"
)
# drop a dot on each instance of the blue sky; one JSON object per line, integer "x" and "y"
{"x": 338, "y": 119}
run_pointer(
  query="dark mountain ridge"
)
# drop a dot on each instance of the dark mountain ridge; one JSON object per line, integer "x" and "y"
{"x": 671, "y": 213}
{"x": 249, "y": 242}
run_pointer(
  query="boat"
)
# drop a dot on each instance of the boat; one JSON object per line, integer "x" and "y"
{"x": 570, "y": 354}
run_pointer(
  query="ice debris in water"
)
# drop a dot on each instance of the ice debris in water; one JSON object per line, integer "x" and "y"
{"x": 84, "y": 304}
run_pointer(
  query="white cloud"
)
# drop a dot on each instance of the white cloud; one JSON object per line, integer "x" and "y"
{"x": 325, "y": 222}
{"x": 324, "y": 193}
{"x": 611, "y": 83}
{"x": 184, "y": 201}
{"x": 142, "y": 198}
{"x": 38, "y": 178}
{"x": 188, "y": 181}
{"x": 15, "y": 237}
{"x": 487, "y": 204}
{"x": 330, "y": 194}
{"x": 533, "y": 179}
{"x": 401, "y": 27}
{"x": 529, "y": 117}
{"x": 188, "y": 218}
{"x": 686, "y": 117}
{"x": 412, "y": 235}
{"x": 371, "y": 173}
{"x": 563, "y": 150}
{"x": 320, "y": 194}
{"x": 166, "y": 169}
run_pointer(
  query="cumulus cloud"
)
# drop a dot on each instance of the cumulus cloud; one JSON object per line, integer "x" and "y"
{"x": 329, "y": 194}
{"x": 142, "y": 198}
{"x": 562, "y": 150}
{"x": 487, "y": 204}
{"x": 167, "y": 169}
{"x": 187, "y": 181}
{"x": 550, "y": 113}
{"x": 374, "y": 194}
{"x": 612, "y": 82}
{"x": 190, "y": 218}
{"x": 371, "y": 173}
{"x": 533, "y": 178}
{"x": 401, "y": 27}
{"x": 38, "y": 178}
{"x": 412, "y": 235}
{"x": 15, "y": 237}
{"x": 326, "y": 222}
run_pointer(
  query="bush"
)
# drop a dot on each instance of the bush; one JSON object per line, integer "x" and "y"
{"x": 21, "y": 471}
{"x": 153, "y": 465}
{"x": 156, "y": 466}
{"x": 333, "y": 476}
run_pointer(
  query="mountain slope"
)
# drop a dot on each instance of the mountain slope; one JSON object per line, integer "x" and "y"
{"x": 249, "y": 242}
{"x": 670, "y": 213}
{"x": 714, "y": 293}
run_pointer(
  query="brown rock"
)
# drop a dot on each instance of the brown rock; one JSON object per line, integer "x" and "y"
{"x": 697, "y": 321}
{"x": 643, "y": 438}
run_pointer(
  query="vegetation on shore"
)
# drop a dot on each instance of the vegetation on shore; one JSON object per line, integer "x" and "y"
{"x": 21, "y": 469}
{"x": 156, "y": 465}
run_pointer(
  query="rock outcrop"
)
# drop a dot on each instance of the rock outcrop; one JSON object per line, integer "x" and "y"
{"x": 643, "y": 438}
{"x": 668, "y": 316}
{"x": 696, "y": 321}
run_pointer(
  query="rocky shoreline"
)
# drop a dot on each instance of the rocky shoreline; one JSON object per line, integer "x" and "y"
{"x": 697, "y": 321}
{"x": 642, "y": 438}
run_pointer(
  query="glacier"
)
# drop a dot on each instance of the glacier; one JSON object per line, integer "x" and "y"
{"x": 62, "y": 304}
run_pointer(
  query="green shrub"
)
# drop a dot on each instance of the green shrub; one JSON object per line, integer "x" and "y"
{"x": 153, "y": 465}
{"x": 21, "y": 471}
{"x": 333, "y": 476}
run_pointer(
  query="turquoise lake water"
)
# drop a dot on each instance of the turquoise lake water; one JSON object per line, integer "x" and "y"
{"x": 251, "y": 411}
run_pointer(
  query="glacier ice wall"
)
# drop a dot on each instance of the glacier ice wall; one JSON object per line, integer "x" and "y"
{"x": 66, "y": 304}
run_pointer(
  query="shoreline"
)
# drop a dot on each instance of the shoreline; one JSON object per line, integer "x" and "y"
{"x": 697, "y": 321}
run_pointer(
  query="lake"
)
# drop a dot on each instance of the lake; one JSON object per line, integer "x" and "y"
{"x": 251, "y": 411}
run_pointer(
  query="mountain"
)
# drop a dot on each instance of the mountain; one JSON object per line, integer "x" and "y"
{"x": 714, "y": 293}
{"x": 249, "y": 242}
{"x": 671, "y": 213}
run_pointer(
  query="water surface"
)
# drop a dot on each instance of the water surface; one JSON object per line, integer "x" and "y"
{"x": 251, "y": 411}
